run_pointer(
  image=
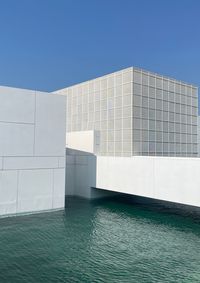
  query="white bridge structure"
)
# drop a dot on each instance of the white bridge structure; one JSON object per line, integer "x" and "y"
{"x": 173, "y": 179}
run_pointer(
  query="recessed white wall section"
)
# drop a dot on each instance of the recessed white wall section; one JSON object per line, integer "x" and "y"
{"x": 88, "y": 141}
{"x": 32, "y": 151}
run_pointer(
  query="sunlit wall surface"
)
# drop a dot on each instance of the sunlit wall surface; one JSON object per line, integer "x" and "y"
{"x": 137, "y": 113}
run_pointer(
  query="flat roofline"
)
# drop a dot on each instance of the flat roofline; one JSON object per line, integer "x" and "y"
{"x": 133, "y": 69}
{"x": 27, "y": 89}
{"x": 164, "y": 77}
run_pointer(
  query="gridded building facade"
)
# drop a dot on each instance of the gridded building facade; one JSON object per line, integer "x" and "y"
{"x": 137, "y": 113}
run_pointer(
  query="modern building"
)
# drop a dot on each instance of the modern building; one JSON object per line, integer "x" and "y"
{"x": 32, "y": 151}
{"x": 136, "y": 112}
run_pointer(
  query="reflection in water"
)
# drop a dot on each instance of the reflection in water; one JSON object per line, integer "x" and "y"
{"x": 101, "y": 241}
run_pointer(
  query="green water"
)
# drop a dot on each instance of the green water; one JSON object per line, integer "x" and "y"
{"x": 102, "y": 241}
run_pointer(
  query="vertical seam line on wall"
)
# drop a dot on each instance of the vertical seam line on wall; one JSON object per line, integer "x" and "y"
{"x": 52, "y": 187}
{"x": 34, "y": 125}
{"x": 17, "y": 200}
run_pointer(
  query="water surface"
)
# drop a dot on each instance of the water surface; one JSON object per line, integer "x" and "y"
{"x": 102, "y": 241}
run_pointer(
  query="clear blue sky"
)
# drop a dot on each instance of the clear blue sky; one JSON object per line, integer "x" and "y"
{"x": 51, "y": 44}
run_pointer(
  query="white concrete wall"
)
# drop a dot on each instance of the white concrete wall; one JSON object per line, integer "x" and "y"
{"x": 32, "y": 151}
{"x": 81, "y": 175}
{"x": 198, "y": 136}
{"x": 88, "y": 141}
{"x": 163, "y": 178}
{"x": 173, "y": 179}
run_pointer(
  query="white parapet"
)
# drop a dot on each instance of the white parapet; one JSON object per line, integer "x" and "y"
{"x": 163, "y": 178}
{"x": 172, "y": 179}
{"x": 32, "y": 151}
{"x": 88, "y": 141}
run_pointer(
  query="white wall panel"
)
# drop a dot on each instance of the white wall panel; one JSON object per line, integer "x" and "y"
{"x": 58, "y": 188}
{"x": 32, "y": 151}
{"x": 8, "y": 192}
{"x": 164, "y": 178}
{"x": 35, "y": 190}
{"x": 50, "y": 114}
{"x": 30, "y": 162}
{"x": 61, "y": 162}
{"x": 17, "y": 105}
{"x": 16, "y": 139}
{"x": 1, "y": 163}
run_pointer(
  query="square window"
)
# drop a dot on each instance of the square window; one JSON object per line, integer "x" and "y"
{"x": 152, "y": 103}
{"x": 158, "y": 104}
{"x": 145, "y": 124}
{"x": 171, "y": 86}
{"x": 152, "y": 125}
{"x": 145, "y": 135}
{"x": 111, "y": 113}
{"x": 118, "y": 146}
{"x": 137, "y": 77}
{"x": 136, "y": 135}
{"x": 165, "y": 84}
{"x": 159, "y": 83}
{"x": 152, "y": 136}
{"x": 127, "y": 123}
{"x": 110, "y": 124}
{"x": 165, "y": 95}
{"x": 119, "y": 79}
{"x": 137, "y": 100}
{"x": 152, "y": 147}
{"x": 152, "y": 81}
{"x": 118, "y": 124}
{"x": 159, "y": 94}
{"x": 171, "y": 137}
{"x": 145, "y": 91}
{"x": 137, "y": 89}
{"x": 127, "y": 77}
{"x": 118, "y": 113}
{"x": 111, "y": 135}
{"x": 145, "y": 79}
{"x": 165, "y": 116}
{"x": 151, "y": 114}
{"x": 137, "y": 112}
{"x": 118, "y": 101}
{"x": 137, "y": 147}
{"x": 127, "y": 88}
{"x": 165, "y": 126}
{"x": 152, "y": 92}
{"x": 171, "y": 127}
{"x": 144, "y": 102}
{"x": 127, "y": 111}
{"x": 145, "y": 146}
{"x": 158, "y": 115}
{"x": 159, "y": 147}
{"x": 171, "y": 96}
{"x": 118, "y": 90}
{"x": 136, "y": 123}
{"x": 145, "y": 113}
{"x": 118, "y": 135}
{"x": 165, "y": 106}
{"x": 159, "y": 125}
{"x": 127, "y": 135}
{"x": 165, "y": 147}
{"x": 183, "y": 89}
{"x": 127, "y": 100}
{"x": 171, "y": 117}
{"x": 177, "y": 98}
{"x": 159, "y": 136}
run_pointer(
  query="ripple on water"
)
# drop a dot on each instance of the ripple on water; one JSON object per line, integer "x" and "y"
{"x": 101, "y": 241}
